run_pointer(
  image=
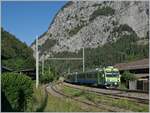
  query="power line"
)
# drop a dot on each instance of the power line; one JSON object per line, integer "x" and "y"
{"x": 65, "y": 58}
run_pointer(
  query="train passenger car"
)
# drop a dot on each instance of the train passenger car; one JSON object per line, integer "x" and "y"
{"x": 108, "y": 77}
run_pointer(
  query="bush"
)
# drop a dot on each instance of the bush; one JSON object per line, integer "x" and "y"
{"x": 17, "y": 89}
{"x": 75, "y": 30}
{"x": 105, "y": 11}
{"x": 48, "y": 76}
{"x": 48, "y": 44}
{"x": 123, "y": 27}
{"x": 126, "y": 76}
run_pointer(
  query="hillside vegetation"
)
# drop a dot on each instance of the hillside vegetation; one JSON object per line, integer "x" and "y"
{"x": 124, "y": 49}
{"x": 92, "y": 25}
{"x": 15, "y": 54}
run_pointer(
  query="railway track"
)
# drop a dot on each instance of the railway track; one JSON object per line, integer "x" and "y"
{"x": 116, "y": 89}
{"x": 126, "y": 90}
{"x": 117, "y": 94}
{"x": 88, "y": 103}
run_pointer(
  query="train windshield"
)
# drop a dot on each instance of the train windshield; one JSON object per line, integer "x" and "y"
{"x": 113, "y": 74}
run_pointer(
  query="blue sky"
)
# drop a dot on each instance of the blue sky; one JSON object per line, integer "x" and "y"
{"x": 26, "y": 19}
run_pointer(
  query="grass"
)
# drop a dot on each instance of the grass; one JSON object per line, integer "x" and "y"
{"x": 43, "y": 102}
{"x": 122, "y": 86}
{"x": 38, "y": 99}
{"x": 49, "y": 103}
{"x": 119, "y": 103}
{"x": 72, "y": 91}
{"x": 56, "y": 104}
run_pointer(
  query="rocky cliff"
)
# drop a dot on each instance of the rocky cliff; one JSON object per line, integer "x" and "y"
{"x": 92, "y": 24}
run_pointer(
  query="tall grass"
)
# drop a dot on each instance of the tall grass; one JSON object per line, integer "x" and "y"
{"x": 56, "y": 104}
{"x": 45, "y": 102}
{"x": 107, "y": 100}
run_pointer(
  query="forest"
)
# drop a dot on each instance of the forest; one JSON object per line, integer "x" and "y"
{"x": 125, "y": 49}
{"x": 15, "y": 54}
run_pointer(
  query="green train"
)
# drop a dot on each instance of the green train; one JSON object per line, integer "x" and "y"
{"x": 107, "y": 77}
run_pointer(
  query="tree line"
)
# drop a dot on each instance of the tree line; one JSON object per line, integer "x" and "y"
{"x": 17, "y": 88}
{"x": 125, "y": 49}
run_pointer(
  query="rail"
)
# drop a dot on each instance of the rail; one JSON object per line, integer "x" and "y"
{"x": 116, "y": 95}
{"x": 100, "y": 106}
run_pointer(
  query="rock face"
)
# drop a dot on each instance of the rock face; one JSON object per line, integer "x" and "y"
{"x": 94, "y": 23}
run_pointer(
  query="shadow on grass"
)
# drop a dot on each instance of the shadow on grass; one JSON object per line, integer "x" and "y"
{"x": 5, "y": 104}
{"x": 79, "y": 94}
{"x": 43, "y": 104}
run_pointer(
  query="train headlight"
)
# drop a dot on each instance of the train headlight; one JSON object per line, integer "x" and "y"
{"x": 115, "y": 83}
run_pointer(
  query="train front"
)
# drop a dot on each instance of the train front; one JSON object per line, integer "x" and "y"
{"x": 112, "y": 77}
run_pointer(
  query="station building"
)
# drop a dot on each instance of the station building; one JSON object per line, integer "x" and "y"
{"x": 140, "y": 69}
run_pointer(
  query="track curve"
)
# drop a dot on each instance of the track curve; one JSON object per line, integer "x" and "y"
{"x": 130, "y": 95}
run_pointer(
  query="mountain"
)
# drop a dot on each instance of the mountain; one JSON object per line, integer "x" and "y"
{"x": 14, "y": 53}
{"x": 92, "y": 24}
{"x": 102, "y": 28}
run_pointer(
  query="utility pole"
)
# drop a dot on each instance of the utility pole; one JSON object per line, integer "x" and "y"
{"x": 69, "y": 70}
{"x": 83, "y": 45}
{"x": 43, "y": 65}
{"x": 37, "y": 63}
{"x": 49, "y": 70}
{"x": 83, "y": 61}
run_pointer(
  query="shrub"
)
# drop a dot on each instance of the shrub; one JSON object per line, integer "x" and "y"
{"x": 75, "y": 30}
{"x": 126, "y": 76}
{"x": 105, "y": 11}
{"x": 17, "y": 89}
{"x": 123, "y": 27}
{"x": 49, "y": 43}
{"x": 48, "y": 76}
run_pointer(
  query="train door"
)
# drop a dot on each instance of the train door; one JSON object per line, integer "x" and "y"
{"x": 76, "y": 77}
{"x": 101, "y": 77}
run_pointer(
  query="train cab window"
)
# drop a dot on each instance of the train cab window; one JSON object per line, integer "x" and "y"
{"x": 112, "y": 74}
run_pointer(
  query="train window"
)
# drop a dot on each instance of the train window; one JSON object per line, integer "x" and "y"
{"x": 89, "y": 75}
{"x": 112, "y": 74}
{"x": 69, "y": 77}
{"x": 81, "y": 76}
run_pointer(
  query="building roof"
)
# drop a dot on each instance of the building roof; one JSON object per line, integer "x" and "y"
{"x": 139, "y": 64}
{"x": 27, "y": 70}
{"x": 4, "y": 68}
{"x": 141, "y": 75}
